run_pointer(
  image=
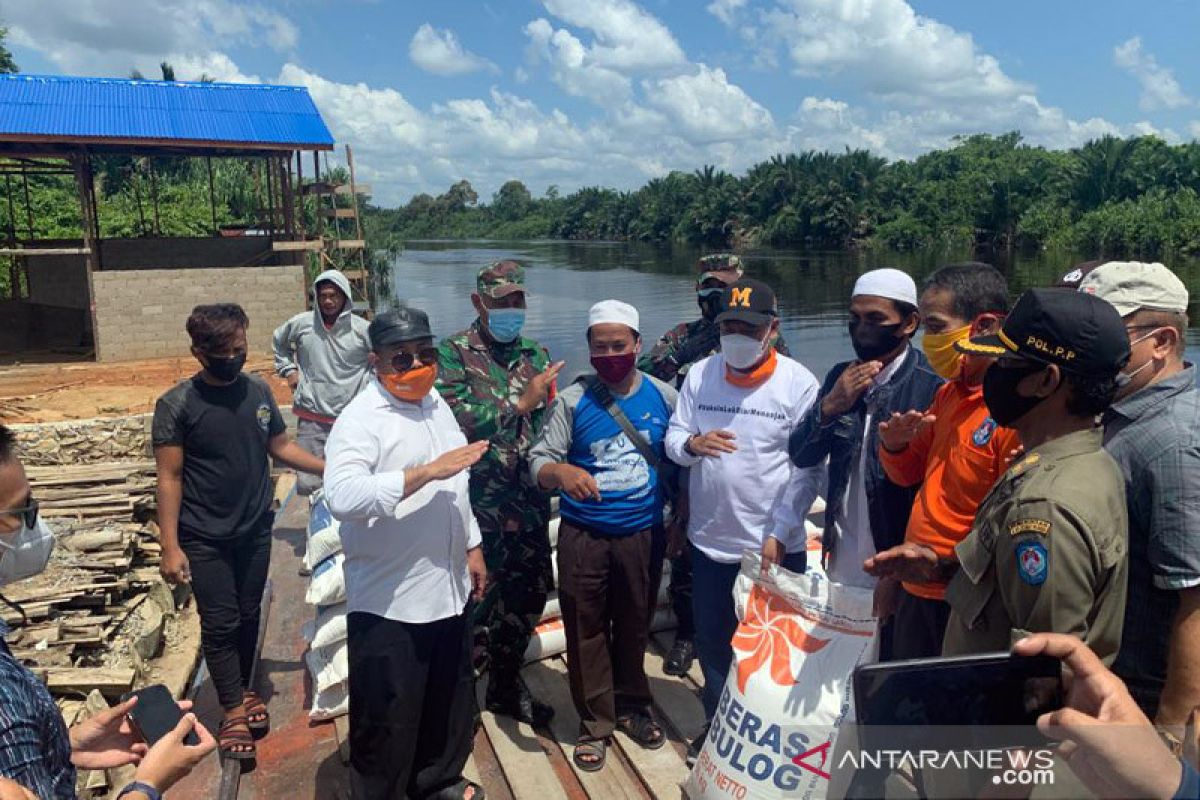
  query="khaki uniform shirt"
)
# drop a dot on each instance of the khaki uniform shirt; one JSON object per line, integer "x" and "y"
{"x": 1047, "y": 553}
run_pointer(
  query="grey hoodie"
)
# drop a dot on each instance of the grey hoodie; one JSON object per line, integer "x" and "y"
{"x": 332, "y": 362}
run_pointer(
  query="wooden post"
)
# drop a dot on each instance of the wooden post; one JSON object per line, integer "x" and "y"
{"x": 154, "y": 197}
{"x": 14, "y": 271}
{"x": 289, "y": 200}
{"x": 86, "y": 188}
{"x": 28, "y": 205}
{"x": 369, "y": 279}
{"x": 268, "y": 168}
{"x": 212, "y": 195}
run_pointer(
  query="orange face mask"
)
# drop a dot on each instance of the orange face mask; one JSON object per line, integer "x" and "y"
{"x": 412, "y": 385}
{"x": 748, "y": 380}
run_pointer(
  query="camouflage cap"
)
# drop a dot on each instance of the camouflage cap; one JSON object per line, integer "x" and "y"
{"x": 725, "y": 267}
{"x": 501, "y": 278}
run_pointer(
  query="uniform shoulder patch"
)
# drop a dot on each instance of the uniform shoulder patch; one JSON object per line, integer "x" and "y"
{"x": 1033, "y": 562}
{"x": 983, "y": 434}
{"x": 1038, "y": 526}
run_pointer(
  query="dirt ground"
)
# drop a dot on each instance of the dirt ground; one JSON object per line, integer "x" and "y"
{"x": 50, "y": 392}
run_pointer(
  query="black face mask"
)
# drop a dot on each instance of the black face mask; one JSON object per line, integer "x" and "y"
{"x": 225, "y": 369}
{"x": 872, "y": 341}
{"x": 1000, "y": 395}
{"x": 710, "y": 302}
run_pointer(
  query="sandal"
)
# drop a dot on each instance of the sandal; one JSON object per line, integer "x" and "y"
{"x": 257, "y": 716}
{"x": 590, "y": 754}
{"x": 459, "y": 791}
{"x": 235, "y": 741}
{"x": 642, "y": 728}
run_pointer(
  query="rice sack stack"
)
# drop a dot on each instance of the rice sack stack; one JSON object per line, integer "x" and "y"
{"x": 788, "y": 691}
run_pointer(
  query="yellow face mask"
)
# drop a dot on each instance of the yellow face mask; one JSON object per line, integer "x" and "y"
{"x": 939, "y": 349}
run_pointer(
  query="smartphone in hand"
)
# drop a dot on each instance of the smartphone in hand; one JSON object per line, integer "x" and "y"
{"x": 156, "y": 714}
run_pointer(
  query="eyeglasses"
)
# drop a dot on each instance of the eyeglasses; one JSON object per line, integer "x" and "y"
{"x": 28, "y": 513}
{"x": 403, "y": 362}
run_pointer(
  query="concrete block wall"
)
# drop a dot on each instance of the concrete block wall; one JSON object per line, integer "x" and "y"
{"x": 141, "y": 313}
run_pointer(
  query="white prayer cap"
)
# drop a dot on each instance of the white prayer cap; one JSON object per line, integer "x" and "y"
{"x": 890, "y": 283}
{"x": 613, "y": 311}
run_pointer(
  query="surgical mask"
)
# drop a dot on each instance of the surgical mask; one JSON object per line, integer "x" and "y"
{"x": 613, "y": 369}
{"x": 710, "y": 301}
{"x": 939, "y": 349}
{"x": 26, "y": 554}
{"x": 1124, "y": 378}
{"x": 504, "y": 324}
{"x": 1000, "y": 395}
{"x": 411, "y": 385}
{"x": 872, "y": 341}
{"x": 225, "y": 369}
{"x": 740, "y": 351}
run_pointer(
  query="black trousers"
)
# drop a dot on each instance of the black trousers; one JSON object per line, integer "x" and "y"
{"x": 228, "y": 577}
{"x": 412, "y": 705}
{"x": 681, "y": 595}
{"x": 918, "y": 627}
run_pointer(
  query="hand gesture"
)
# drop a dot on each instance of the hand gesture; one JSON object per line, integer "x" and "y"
{"x": 452, "y": 462}
{"x": 886, "y": 597}
{"x": 713, "y": 443}
{"x": 1106, "y": 739}
{"x": 170, "y": 759}
{"x": 915, "y": 563}
{"x": 477, "y": 569}
{"x": 538, "y": 388}
{"x": 11, "y": 790}
{"x": 577, "y": 483}
{"x": 898, "y": 432}
{"x": 105, "y": 740}
{"x": 174, "y": 566}
{"x": 850, "y": 385}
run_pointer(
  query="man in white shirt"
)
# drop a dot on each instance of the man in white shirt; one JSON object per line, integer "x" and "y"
{"x": 731, "y": 426}
{"x": 396, "y": 477}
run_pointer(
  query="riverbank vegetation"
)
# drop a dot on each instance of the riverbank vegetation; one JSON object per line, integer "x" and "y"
{"x": 1110, "y": 197}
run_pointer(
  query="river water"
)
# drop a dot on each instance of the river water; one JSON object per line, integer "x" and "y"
{"x": 566, "y": 278}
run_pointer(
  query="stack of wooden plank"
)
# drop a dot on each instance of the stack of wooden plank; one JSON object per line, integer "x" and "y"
{"x": 95, "y": 491}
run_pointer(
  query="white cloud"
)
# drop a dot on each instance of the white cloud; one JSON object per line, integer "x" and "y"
{"x": 706, "y": 107}
{"x": 573, "y": 67}
{"x": 439, "y": 52}
{"x": 96, "y": 37}
{"x": 885, "y": 47}
{"x": 726, "y": 10}
{"x": 1159, "y": 87}
{"x": 628, "y": 38}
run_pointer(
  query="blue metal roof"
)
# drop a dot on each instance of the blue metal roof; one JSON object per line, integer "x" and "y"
{"x": 73, "y": 110}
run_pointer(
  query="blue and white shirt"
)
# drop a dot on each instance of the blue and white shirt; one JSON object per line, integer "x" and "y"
{"x": 35, "y": 748}
{"x": 581, "y": 432}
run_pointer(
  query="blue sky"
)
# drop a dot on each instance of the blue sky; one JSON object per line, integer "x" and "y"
{"x": 615, "y": 92}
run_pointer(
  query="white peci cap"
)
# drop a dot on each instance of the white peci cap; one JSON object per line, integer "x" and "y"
{"x": 890, "y": 283}
{"x": 613, "y": 311}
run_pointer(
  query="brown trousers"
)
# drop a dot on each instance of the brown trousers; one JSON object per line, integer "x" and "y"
{"x": 606, "y": 590}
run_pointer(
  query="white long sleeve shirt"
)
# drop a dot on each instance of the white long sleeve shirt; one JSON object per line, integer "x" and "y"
{"x": 405, "y": 558}
{"x": 739, "y": 498}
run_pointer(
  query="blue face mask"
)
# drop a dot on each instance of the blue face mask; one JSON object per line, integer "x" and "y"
{"x": 504, "y": 324}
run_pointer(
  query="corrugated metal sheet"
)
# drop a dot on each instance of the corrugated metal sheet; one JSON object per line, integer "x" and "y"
{"x": 69, "y": 108}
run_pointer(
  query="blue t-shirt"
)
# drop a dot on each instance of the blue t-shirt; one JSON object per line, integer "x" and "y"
{"x": 631, "y": 498}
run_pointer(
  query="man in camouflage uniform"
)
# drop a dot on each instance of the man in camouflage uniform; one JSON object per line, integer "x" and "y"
{"x": 669, "y": 361}
{"x": 498, "y": 384}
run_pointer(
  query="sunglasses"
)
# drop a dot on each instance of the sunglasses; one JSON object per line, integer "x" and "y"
{"x": 403, "y": 362}
{"x": 28, "y": 513}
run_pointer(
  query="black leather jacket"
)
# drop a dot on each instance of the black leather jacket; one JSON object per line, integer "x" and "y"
{"x": 841, "y": 439}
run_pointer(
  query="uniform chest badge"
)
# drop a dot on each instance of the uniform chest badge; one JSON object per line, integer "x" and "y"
{"x": 1033, "y": 562}
{"x": 983, "y": 434}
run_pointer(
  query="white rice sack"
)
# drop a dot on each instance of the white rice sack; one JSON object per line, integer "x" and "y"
{"x": 328, "y": 666}
{"x": 549, "y": 639}
{"x": 330, "y": 703}
{"x": 324, "y": 539}
{"x": 788, "y": 691}
{"x": 327, "y": 586}
{"x": 329, "y": 628}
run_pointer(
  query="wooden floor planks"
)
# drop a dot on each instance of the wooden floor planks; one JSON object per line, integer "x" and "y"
{"x": 522, "y": 756}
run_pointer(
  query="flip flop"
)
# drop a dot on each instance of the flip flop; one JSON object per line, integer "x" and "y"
{"x": 234, "y": 740}
{"x": 597, "y": 749}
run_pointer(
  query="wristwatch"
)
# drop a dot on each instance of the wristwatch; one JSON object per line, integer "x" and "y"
{"x": 145, "y": 788}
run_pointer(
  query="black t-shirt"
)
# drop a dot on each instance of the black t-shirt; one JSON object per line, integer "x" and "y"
{"x": 224, "y": 431}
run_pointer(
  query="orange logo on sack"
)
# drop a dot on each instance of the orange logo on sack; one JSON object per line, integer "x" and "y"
{"x": 740, "y": 296}
{"x": 767, "y": 635}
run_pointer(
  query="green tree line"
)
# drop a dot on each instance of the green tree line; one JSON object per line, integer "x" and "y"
{"x": 1109, "y": 197}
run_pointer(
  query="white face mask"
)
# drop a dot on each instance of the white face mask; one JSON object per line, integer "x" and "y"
{"x": 740, "y": 351}
{"x": 25, "y": 554}
{"x": 1124, "y": 378}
